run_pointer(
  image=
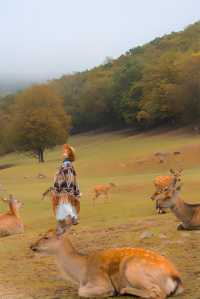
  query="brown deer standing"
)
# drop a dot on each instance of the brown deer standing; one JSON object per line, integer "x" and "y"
{"x": 102, "y": 190}
{"x": 115, "y": 271}
{"x": 11, "y": 222}
{"x": 188, "y": 214}
{"x": 161, "y": 182}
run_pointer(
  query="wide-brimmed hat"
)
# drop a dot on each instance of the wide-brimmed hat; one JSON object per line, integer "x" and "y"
{"x": 69, "y": 152}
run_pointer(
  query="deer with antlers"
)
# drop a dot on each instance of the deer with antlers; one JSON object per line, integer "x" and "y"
{"x": 188, "y": 214}
{"x": 161, "y": 182}
{"x": 115, "y": 271}
{"x": 103, "y": 189}
{"x": 11, "y": 222}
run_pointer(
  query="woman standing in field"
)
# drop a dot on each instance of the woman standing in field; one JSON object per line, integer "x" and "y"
{"x": 67, "y": 202}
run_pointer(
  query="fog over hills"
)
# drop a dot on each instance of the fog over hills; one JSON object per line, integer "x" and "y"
{"x": 12, "y": 84}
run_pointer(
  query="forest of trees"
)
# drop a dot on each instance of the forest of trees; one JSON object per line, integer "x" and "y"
{"x": 151, "y": 85}
{"x": 148, "y": 86}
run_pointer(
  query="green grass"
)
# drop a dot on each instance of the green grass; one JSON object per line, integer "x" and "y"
{"x": 125, "y": 159}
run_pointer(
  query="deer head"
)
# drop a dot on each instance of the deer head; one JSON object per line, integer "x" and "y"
{"x": 49, "y": 244}
{"x": 14, "y": 204}
{"x": 176, "y": 174}
{"x": 176, "y": 180}
{"x": 166, "y": 197}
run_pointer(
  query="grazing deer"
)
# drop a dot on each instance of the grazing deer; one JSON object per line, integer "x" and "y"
{"x": 115, "y": 271}
{"x": 11, "y": 222}
{"x": 102, "y": 190}
{"x": 161, "y": 156}
{"x": 161, "y": 182}
{"x": 189, "y": 214}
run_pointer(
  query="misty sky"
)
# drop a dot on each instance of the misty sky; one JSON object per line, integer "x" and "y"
{"x": 48, "y": 38}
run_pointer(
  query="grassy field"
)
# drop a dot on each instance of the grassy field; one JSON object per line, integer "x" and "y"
{"x": 127, "y": 160}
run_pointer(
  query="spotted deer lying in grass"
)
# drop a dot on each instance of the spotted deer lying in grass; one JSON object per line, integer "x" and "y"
{"x": 115, "y": 271}
{"x": 188, "y": 214}
{"x": 161, "y": 182}
{"x": 103, "y": 189}
{"x": 11, "y": 222}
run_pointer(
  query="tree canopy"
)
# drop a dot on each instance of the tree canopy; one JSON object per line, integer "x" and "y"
{"x": 37, "y": 121}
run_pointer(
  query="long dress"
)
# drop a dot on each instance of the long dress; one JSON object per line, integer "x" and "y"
{"x": 67, "y": 189}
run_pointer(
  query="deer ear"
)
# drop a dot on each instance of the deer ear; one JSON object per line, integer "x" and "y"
{"x": 178, "y": 188}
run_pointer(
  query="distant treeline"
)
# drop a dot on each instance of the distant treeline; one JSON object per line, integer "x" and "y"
{"x": 148, "y": 86}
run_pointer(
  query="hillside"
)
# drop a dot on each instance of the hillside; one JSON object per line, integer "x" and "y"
{"x": 130, "y": 162}
{"x": 155, "y": 85}
{"x": 150, "y": 85}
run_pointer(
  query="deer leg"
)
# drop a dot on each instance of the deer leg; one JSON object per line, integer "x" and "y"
{"x": 55, "y": 201}
{"x": 94, "y": 198}
{"x": 105, "y": 197}
{"x": 155, "y": 293}
{"x": 95, "y": 291}
{"x": 137, "y": 279}
{"x": 134, "y": 292}
{"x": 101, "y": 286}
{"x": 77, "y": 206}
{"x": 159, "y": 209}
{"x": 194, "y": 228}
{"x": 182, "y": 226}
